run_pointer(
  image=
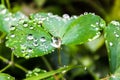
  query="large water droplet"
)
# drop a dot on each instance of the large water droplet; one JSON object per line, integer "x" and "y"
{"x": 30, "y": 37}
{"x": 42, "y": 39}
{"x": 56, "y": 42}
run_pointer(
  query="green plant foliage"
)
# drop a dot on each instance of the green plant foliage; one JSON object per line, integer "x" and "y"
{"x": 28, "y": 39}
{"x": 7, "y": 19}
{"x": 4, "y": 76}
{"x": 51, "y": 73}
{"x": 85, "y": 28}
{"x": 112, "y": 39}
{"x": 36, "y": 72}
{"x": 4, "y": 19}
{"x": 44, "y": 32}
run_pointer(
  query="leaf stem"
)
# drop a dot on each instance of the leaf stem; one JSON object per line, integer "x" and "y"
{"x": 12, "y": 57}
{"x": 59, "y": 57}
{"x": 5, "y": 68}
{"x": 49, "y": 66}
{"x": 2, "y": 36}
{"x": 8, "y": 4}
{"x": 21, "y": 67}
{"x": 3, "y": 2}
{"x": 10, "y": 63}
{"x": 47, "y": 63}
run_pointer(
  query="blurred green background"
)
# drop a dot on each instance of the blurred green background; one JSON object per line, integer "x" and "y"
{"x": 93, "y": 55}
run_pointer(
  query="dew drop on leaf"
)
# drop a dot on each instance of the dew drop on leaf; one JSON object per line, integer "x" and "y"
{"x": 30, "y": 37}
{"x": 31, "y": 27}
{"x": 35, "y": 44}
{"x": 12, "y": 35}
{"x": 56, "y": 42}
{"x": 66, "y": 16}
{"x": 25, "y": 24}
{"x": 111, "y": 44}
{"x": 12, "y": 27}
{"x": 29, "y": 50}
{"x": 42, "y": 39}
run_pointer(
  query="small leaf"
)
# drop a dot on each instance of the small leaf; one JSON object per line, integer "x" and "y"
{"x": 112, "y": 40}
{"x": 4, "y": 76}
{"x": 54, "y": 24}
{"x": 8, "y": 19}
{"x": 29, "y": 39}
{"x": 85, "y": 28}
{"x": 4, "y": 19}
{"x": 51, "y": 73}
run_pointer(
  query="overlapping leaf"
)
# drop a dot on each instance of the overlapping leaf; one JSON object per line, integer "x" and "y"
{"x": 4, "y": 76}
{"x": 112, "y": 39}
{"x": 45, "y": 31}
{"x": 8, "y": 19}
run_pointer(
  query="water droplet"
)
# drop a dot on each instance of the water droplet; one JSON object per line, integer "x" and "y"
{"x": 117, "y": 35}
{"x": 74, "y": 16}
{"x": 92, "y": 25}
{"x": 31, "y": 27}
{"x": 36, "y": 74}
{"x": 85, "y": 68}
{"x": 111, "y": 44}
{"x": 113, "y": 76}
{"x": 9, "y": 77}
{"x": 12, "y": 35}
{"x": 30, "y": 37}
{"x": 29, "y": 50}
{"x": 66, "y": 16}
{"x": 25, "y": 24}
{"x": 85, "y": 13}
{"x": 22, "y": 46}
{"x": 35, "y": 44}
{"x": 42, "y": 39}
{"x": 56, "y": 42}
{"x": 3, "y": 11}
{"x": 40, "y": 22}
{"x": 64, "y": 71}
{"x": 7, "y": 19}
{"x": 97, "y": 23}
{"x": 50, "y": 14}
{"x": 12, "y": 27}
{"x": 115, "y": 23}
{"x": 23, "y": 50}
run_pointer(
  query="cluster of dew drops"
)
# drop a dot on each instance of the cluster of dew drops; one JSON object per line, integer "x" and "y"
{"x": 38, "y": 19}
{"x": 115, "y": 32}
{"x": 55, "y": 41}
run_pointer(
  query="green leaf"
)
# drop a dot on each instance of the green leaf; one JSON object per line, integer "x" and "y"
{"x": 4, "y": 76}
{"x": 54, "y": 24}
{"x": 85, "y": 28}
{"x": 4, "y": 19}
{"x": 36, "y": 72}
{"x": 8, "y": 19}
{"x": 51, "y": 73}
{"x": 55, "y": 30}
{"x": 112, "y": 40}
{"x": 28, "y": 39}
